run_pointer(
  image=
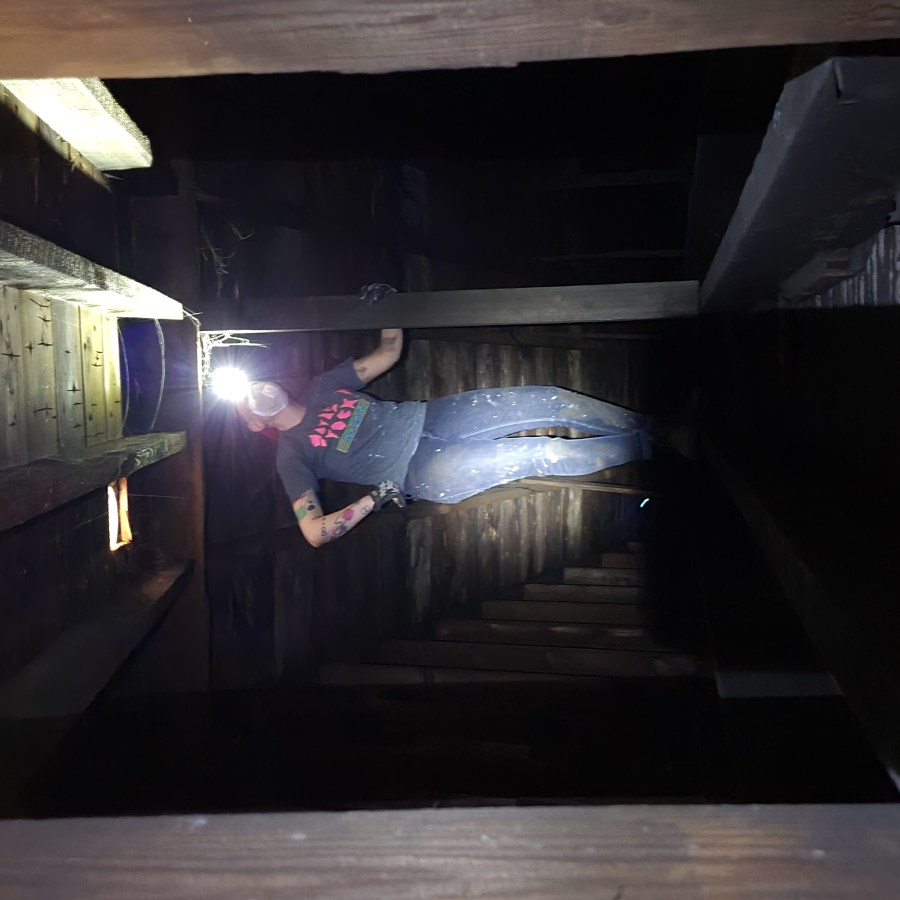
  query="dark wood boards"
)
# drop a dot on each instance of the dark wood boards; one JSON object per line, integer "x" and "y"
{"x": 561, "y": 611}
{"x": 66, "y": 676}
{"x": 584, "y": 593}
{"x": 594, "y": 575}
{"x": 823, "y": 181}
{"x": 605, "y": 663}
{"x": 550, "y": 634}
{"x": 440, "y": 309}
{"x": 161, "y": 38}
{"x": 33, "y": 489}
{"x": 659, "y": 851}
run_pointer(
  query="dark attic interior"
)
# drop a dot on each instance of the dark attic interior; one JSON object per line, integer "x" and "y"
{"x": 577, "y": 684}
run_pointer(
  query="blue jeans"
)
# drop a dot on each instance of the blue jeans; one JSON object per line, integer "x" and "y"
{"x": 464, "y": 447}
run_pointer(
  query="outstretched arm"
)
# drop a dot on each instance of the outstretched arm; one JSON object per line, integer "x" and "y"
{"x": 383, "y": 357}
{"x": 319, "y": 528}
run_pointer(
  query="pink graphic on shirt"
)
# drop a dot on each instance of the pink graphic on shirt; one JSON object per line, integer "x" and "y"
{"x": 327, "y": 427}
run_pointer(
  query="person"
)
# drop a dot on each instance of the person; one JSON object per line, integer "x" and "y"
{"x": 443, "y": 450}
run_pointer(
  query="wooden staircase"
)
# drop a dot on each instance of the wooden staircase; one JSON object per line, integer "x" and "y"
{"x": 589, "y": 627}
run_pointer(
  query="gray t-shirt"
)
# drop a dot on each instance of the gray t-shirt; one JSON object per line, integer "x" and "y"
{"x": 347, "y": 436}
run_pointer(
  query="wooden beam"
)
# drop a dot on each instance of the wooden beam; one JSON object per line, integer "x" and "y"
{"x": 658, "y": 851}
{"x": 163, "y": 38}
{"x": 440, "y": 309}
{"x": 33, "y": 489}
{"x": 801, "y": 207}
{"x": 68, "y": 674}
{"x": 31, "y": 263}
{"x": 848, "y": 612}
{"x": 85, "y": 114}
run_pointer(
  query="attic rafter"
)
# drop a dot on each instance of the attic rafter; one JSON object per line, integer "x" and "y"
{"x": 31, "y": 263}
{"x": 164, "y": 38}
{"x": 499, "y": 306}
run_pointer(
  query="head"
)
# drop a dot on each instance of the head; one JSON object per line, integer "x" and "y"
{"x": 264, "y": 406}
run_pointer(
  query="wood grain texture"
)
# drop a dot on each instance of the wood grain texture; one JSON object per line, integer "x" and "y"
{"x": 144, "y": 38}
{"x": 93, "y": 376}
{"x": 819, "y": 851}
{"x": 500, "y": 306}
{"x": 40, "y": 375}
{"x": 69, "y": 376}
{"x": 13, "y": 428}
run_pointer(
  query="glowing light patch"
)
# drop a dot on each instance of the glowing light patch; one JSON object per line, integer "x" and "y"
{"x": 230, "y": 384}
{"x": 644, "y": 502}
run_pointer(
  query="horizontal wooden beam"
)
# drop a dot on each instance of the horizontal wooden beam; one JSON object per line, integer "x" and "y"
{"x": 849, "y": 613}
{"x": 672, "y": 851}
{"x": 31, "y": 263}
{"x": 67, "y": 675}
{"x": 441, "y": 309}
{"x": 803, "y": 208}
{"x": 153, "y": 38}
{"x": 84, "y": 113}
{"x": 38, "y": 487}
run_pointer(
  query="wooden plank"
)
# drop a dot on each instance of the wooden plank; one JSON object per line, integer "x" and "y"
{"x": 40, "y": 375}
{"x": 85, "y": 114}
{"x": 112, "y": 378}
{"x": 623, "y": 560}
{"x": 29, "y": 262}
{"x": 605, "y": 663}
{"x": 801, "y": 209}
{"x": 559, "y": 611}
{"x": 69, "y": 376}
{"x": 383, "y": 675}
{"x": 584, "y": 593}
{"x": 33, "y": 489}
{"x": 65, "y": 678}
{"x": 593, "y": 575}
{"x": 93, "y": 378}
{"x": 670, "y": 852}
{"x": 439, "y": 309}
{"x": 13, "y": 428}
{"x": 159, "y": 38}
{"x": 550, "y": 634}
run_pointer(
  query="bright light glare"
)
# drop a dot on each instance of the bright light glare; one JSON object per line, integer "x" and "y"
{"x": 230, "y": 384}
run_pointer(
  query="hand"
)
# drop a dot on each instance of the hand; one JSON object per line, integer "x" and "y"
{"x": 387, "y": 492}
{"x": 372, "y": 293}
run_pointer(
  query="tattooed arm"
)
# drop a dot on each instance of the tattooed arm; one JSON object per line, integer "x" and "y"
{"x": 383, "y": 357}
{"x": 318, "y": 528}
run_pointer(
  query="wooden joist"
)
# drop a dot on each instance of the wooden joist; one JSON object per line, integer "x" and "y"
{"x": 69, "y": 673}
{"x": 439, "y": 309}
{"x": 33, "y": 489}
{"x": 85, "y": 114}
{"x": 824, "y": 180}
{"x": 650, "y": 851}
{"x": 163, "y": 38}
{"x": 31, "y": 263}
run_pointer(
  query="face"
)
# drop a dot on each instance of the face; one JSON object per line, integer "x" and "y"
{"x": 253, "y": 421}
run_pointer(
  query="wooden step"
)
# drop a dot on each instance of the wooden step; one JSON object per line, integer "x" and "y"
{"x": 549, "y": 634}
{"x": 376, "y": 674}
{"x": 584, "y": 593}
{"x": 611, "y": 576}
{"x": 562, "y": 611}
{"x": 623, "y": 560}
{"x": 535, "y": 659}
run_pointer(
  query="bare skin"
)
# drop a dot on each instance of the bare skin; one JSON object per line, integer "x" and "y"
{"x": 317, "y": 527}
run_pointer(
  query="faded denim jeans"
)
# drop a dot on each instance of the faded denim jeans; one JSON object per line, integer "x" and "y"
{"x": 465, "y": 446}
